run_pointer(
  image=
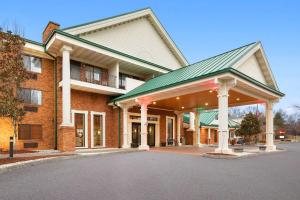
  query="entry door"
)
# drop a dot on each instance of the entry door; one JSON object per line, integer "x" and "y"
{"x": 136, "y": 134}
{"x": 170, "y": 131}
{"x": 151, "y": 135}
{"x": 80, "y": 129}
{"x": 98, "y": 130}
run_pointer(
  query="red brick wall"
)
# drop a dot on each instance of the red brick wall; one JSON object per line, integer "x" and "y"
{"x": 45, "y": 114}
{"x": 48, "y": 30}
{"x": 87, "y": 101}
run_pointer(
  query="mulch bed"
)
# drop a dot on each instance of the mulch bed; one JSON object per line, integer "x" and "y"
{"x": 18, "y": 159}
{"x": 18, "y": 152}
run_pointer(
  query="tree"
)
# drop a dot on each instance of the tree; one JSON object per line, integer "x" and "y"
{"x": 250, "y": 126}
{"x": 12, "y": 75}
{"x": 279, "y": 120}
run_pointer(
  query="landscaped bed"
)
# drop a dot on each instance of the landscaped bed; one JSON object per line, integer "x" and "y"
{"x": 20, "y": 159}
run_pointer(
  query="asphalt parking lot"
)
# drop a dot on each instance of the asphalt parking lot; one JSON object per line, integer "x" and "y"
{"x": 153, "y": 175}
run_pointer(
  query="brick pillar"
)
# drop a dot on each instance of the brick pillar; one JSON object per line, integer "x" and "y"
{"x": 66, "y": 138}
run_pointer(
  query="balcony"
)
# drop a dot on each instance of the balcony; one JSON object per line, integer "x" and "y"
{"x": 93, "y": 79}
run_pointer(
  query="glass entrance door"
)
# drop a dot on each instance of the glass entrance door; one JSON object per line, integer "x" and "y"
{"x": 80, "y": 129}
{"x": 98, "y": 130}
{"x": 136, "y": 135}
{"x": 151, "y": 135}
{"x": 170, "y": 131}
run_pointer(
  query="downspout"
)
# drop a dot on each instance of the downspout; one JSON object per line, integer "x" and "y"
{"x": 55, "y": 100}
{"x": 119, "y": 124}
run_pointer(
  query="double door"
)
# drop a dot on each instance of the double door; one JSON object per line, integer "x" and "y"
{"x": 136, "y": 135}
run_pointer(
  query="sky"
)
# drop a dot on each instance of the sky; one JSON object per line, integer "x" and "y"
{"x": 199, "y": 28}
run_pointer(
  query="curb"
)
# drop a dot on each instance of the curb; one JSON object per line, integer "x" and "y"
{"x": 229, "y": 157}
{"x": 16, "y": 165}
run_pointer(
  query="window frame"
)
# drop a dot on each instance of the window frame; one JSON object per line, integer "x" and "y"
{"x": 31, "y": 67}
{"x": 40, "y": 101}
{"x": 31, "y": 127}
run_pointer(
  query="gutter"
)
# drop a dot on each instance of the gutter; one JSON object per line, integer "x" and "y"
{"x": 55, "y": 99}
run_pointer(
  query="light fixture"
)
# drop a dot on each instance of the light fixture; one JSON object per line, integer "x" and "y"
{"x": 154, "y": 102}
{"x": 206, "y": 104}
{"x": 177, "y": 98}
{"x": 237, "y": 99}
{"x": 182, "y": 107}
{"x": 210, "y": 91}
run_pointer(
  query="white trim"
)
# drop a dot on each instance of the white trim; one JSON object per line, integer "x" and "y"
{"x": 34, "y": 47}
{"x": 173, "y": 118}
{"x": 86, "y": 137}
{"x": 258, "y": 47}
{"x": 157, "y": 127}
{"x": 103, "y": 114}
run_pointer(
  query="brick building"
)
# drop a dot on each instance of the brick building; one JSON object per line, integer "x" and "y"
{"x": 123, "y": 82}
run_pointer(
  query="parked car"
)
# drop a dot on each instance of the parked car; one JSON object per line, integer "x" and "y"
{"x": 240, "y": 141}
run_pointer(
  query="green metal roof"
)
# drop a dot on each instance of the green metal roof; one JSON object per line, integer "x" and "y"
{"x": 208, "y": 118}
{"x": 212, "y": 66}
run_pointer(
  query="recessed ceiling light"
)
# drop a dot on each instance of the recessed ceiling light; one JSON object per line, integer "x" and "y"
{"x": 182, "y": 107}
{"x": 237, "y": 99}
{"x": 210, "y": 91}
{"x": 206, "y": 104}
{"x": 177, "y": 98}
{"x": 154, "y": 102}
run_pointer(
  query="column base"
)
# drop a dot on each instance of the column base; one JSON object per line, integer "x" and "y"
{"x": 271, "y": 148}
{"x": 126, "y": 146}
{"x": 144, "y": 147}
{"x": 225, "y": 151}
{"x": 179, "y": 144}
{"x": 66, "y": 138}
{"x": 199, "y": 145}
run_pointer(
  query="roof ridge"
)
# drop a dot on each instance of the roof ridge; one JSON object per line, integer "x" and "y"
{"x": 221, "y": 54}
{"x": 106, "y": 18}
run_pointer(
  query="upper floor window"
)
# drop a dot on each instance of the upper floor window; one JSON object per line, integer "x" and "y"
{"x": 122, "y": 79}
{"x": 32, "y": 64}
{"x": 30, "y": 96}
{"x": 75, "y": 70}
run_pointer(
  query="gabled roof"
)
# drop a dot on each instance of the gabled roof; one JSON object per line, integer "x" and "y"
{"x": 119, "y": 19}
{"x": 212, "y": 66}
{"x": 209, "y": 118}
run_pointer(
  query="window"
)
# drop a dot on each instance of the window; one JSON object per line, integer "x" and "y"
{"x": 75, "y": 70}
{"x": 30, "y": 96}
{"x": 30, "y": 131}
{"x": 122, "y": 79}
{"x": 32, "y": 64}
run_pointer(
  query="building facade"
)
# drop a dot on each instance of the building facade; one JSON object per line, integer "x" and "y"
{"x": 122, "y": 82}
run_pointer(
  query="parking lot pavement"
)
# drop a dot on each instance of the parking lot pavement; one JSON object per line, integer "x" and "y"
{"x": 151, "y": 175}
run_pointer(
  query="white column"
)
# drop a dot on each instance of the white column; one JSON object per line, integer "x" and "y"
{"x": 125, "y": 128}
{"x": 208, "y": 137}
{"x": 113, "y": 72}
{"x": 144, "y": 124}
{"x": 198, "y": 130}
{"x": 192, "y": 121}
{"x": 223, "y": 117}
{"x": 269, "y": 127}
{"x": 66, "y": 86}
{"x": 179, "y": 121}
